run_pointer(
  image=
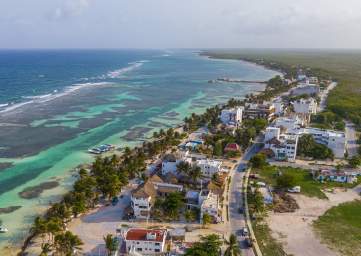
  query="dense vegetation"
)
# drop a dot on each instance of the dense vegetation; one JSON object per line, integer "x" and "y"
{"x": 340, "y": 228}
{"x": 207, "y": 246}
{"x": 328, "y": 120}
{"x": 307, "y": 147}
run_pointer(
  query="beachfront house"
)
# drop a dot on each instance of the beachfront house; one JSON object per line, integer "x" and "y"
{"x": 232, "y": 116}
{"x": 265, "y": 110}
{"x": 145, "y": 241}
{"x": 170, "y": 162}
{"x": 142, "y": 200}
{"x": 209, "y": 167}
{"x": 282, "y": 146}
{"x": 305, "y": 106}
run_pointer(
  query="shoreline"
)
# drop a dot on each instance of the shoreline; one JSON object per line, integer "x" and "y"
{"x": 28, "y": 240}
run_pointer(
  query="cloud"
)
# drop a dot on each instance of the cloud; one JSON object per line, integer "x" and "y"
{"x": 69, "y": 9}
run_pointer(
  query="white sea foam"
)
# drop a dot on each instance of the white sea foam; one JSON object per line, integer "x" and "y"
{"x": 48, "y": 97}
{"x": 119, "y": 73}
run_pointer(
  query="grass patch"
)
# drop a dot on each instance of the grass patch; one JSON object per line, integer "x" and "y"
{"x": 309, "y": 186}
{"x": 340, "y": 228}
{"x": 268, "y": 245}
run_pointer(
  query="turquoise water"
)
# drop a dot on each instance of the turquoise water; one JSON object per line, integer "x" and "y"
{"x": 118, "y": 99}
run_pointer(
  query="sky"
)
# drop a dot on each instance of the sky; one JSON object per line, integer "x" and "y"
{"x": 180, "y": 24}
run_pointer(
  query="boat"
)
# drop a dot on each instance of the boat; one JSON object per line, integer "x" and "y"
{"x": 101, "y": 149}
{"x": 3, "y": 230}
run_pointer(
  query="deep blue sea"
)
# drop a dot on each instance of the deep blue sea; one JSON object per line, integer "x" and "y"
{"x": 56, "y": 104}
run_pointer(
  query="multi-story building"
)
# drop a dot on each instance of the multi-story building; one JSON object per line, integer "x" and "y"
{"x": 143, "y": 198}
{"x": 253, "y": 111}
{"x": 305, "y": 106}
{"x": 145, "y": 241}
{"x": 209, "y": 167}
{"x": 209, "y": 204}
{"x": 283, "y": 146}
{"x": 232, "y": 116}
{"x": 289, "y": 124}
{"x": 170, "y": 162}
{"x": 279, "y": 107}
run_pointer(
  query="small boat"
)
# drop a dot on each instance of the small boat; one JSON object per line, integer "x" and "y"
{"x": 3, "y": 230}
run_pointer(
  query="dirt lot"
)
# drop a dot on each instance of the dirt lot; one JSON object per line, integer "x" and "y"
{"x": 295, "y": 230}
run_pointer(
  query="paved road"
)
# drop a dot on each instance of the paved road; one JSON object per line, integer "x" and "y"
{"x": 324, "y": 95}
{"x": 351, "y": 139}
{"x": 237, "y": 220}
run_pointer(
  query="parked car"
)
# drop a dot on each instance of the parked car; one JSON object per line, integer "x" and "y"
{"x": 245, "y": 231}
{"x": 240, "y": 210}
{"x": 115, "y": 200}
{"x": 248, "y": 242}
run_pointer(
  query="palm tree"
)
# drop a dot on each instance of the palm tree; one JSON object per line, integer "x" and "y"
{"x": 39, "y": 227}
{"x": 45, "y": 249}
{"x": 111, "y": 244}
{"x": 183, "y": 168}
{"x": 195, "y": 173}
{"x": 233, "y": 247}
{"x": 66, "y": 243}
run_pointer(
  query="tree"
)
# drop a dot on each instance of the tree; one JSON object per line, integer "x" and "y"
{"x": 286, "y": 181}
{"x": 206, "y": 219}
{"x": 39, "y": 227}
{"x": 218, "y": 149}
{"x": 207, "y": 246}
{"x": 111, "y": 244}
{"x": 195, "y": 173}
{"x": 233, "y": 247}
{"x": 183, "y": 167}
{"x": 66, "y": 243}
{"x": 45, "y": 249}
{"x": 355, "y": 161}
{"x": 190, "y": 215}
{"x": 308, "y": 147}
{"x": 173, "y": 203}
{"x": 258, "y": 161}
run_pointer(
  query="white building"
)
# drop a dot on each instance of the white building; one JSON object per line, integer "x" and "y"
{"x": 289, "y": 124}
{"x": 145, "y": 241}
{"x": 142, "y": 200}
{"x": 283, "y": 146}
{"x": 272, "y": 132}
{"x": 334, "y": 140}
{"x": 209, "y": 167}
{"x": 232, "y": 116}
{"x": 210, "y": 205}
{"x": 170, "y": 162}
{"x": 312, "y": 80}
{"x": 305, "y": 106}
{"x": 279, "y": 107}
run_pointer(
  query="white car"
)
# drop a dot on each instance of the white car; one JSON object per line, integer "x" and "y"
{"x": 245, "y": 231}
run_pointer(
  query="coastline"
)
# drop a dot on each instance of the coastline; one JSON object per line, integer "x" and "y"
{"x": 179, "y": 124}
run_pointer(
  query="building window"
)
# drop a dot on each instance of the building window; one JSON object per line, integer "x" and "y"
{"x": 157, "y": 244}
{"x": 157, "y": 250}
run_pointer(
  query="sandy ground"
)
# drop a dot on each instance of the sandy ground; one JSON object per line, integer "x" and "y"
{"x": 294, "y": 230}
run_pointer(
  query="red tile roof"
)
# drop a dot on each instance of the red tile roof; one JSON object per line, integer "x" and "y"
{"x": 232, "y": 147}
{"x": 140, "y": 234}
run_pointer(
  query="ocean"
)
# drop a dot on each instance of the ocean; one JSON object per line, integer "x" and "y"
{"x": 56, "y": 104}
